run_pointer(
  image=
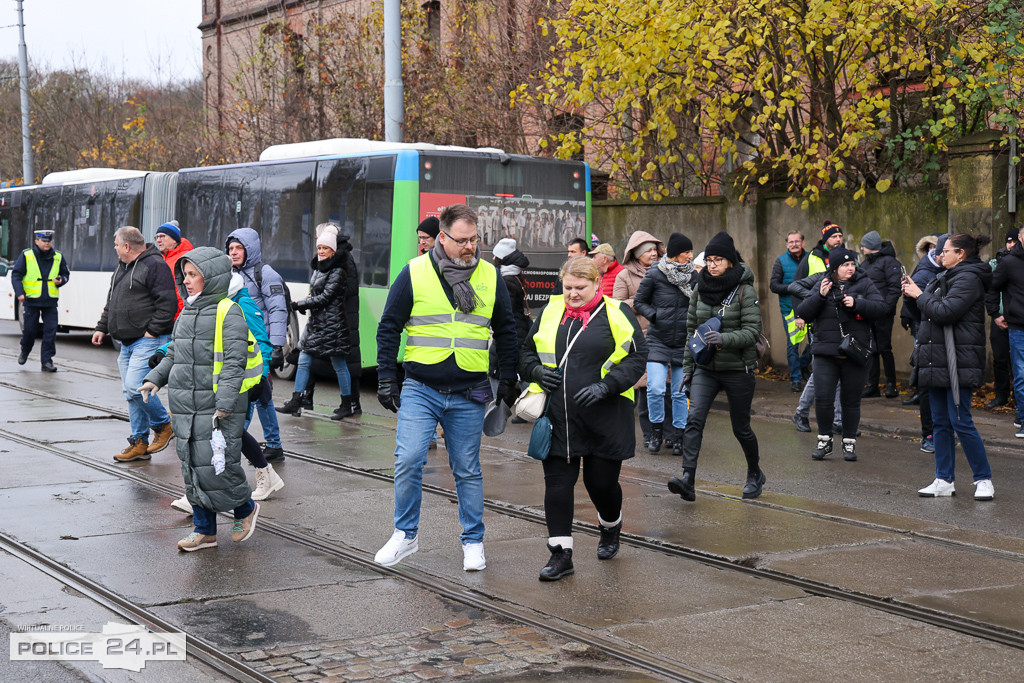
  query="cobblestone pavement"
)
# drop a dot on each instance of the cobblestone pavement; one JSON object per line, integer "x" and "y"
{"x": 478, "y": 649}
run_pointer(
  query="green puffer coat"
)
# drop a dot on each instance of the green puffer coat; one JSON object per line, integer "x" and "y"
{"x": 741, "y": 326}
{"x": 187, "y": 370}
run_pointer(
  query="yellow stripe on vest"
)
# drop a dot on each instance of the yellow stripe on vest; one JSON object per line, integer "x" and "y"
{"x": 253, "y": 358}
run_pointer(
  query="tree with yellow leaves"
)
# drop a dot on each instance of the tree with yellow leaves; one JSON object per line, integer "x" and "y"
{"x": 789, "y": 95}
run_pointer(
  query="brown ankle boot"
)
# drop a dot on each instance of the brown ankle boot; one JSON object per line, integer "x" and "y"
{"x": 136, "y": 451}
{"x": 161, "y": 437}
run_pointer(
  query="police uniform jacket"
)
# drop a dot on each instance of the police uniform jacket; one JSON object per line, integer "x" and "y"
{"x": 45, "y": 261}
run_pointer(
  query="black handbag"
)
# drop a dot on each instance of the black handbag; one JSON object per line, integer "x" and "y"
{"x": 703, "y": 352}
{"x": 852, "y": 349}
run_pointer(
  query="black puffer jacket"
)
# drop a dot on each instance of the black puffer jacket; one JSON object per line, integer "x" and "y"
{"x": 665, "y": 306}
{"x": 327, "y": 329}
{"x": 1009, "y": 279}
{"x": 605, "y": 429}
{"x": 827, "y": 313}
{"x": 886, "y": 272}
{"x": 953, "y": 298}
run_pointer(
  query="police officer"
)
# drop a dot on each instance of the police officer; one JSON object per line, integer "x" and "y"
{"x": 448, "y": 300}
{"x": 36, "y": 276}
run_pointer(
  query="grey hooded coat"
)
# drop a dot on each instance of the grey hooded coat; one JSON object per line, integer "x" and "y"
{"x": 187, "y": 370}
{"x": 267, "y": 288}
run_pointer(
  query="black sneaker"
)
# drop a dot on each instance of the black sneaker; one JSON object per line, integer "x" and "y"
{"x": 824, "y": 447}
{"x": 273, "y": 454}
{"x": 803, "y": 424}
{"x": 559, "y": 565}
{"x": 23, "y": 358}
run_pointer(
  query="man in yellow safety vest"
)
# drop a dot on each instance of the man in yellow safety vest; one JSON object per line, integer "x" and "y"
{"x": 36, "y": 276}
{"x": 448, "y": 301}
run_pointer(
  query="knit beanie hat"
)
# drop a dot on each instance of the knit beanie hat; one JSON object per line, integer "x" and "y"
{"x": 328, "y": 238}
{"x": 839, "y": 256}
{"x": 872, "y": 241}
{"x": 430, "y": 225}
{"x": 722, "y": 245}
{"x": 170, "y": 229}
{"x": 504, "y": 247}
{"x": 642, "y": 248}
{"x": 829, "y": 230}
{"x": 677, "y": 244}
{"x": 1013, "y": 234}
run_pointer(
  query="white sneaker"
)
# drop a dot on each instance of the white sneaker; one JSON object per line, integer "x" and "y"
{"x": 396, "y": 549}
{"x": 473, "y": 557}
{"x": 984, "y": 490}
{"x": 267, "y": 481}
{"x": 939, "y": 487}
{"x": 183, "y": 505}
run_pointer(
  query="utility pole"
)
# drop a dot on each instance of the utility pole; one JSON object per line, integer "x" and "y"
{"x": 394, "y": 112}
{"x": 27, "y": 168}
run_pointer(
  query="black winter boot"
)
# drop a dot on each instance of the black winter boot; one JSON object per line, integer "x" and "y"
{"x": 307, "y": 397}
{"x": 559, "y": 565}
{"x": 293, "y": 405}
{"x": 850, "y": 450}
{"x": 891, "y": 391}
{"x": 684, "y": 486}
{"x": 654, "y": 444}
{"x": 344, "y": 410}
{"x": 608, "y": 546}
{"x": 356, "y": 408}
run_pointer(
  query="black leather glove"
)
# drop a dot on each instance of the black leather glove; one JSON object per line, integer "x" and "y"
{"x": 277, "y": 358}
{"x": 155, "y": 359}
{"x": 687, "y": 378}
{"x": 713, "y": 337}
{"x": 549, "y": 378}
{"x": 297, "y": 306}
{"x": 905, "y": 324}
{"x": 389, "y": 394}
{"x": 591, "y": 394}
{"x": 508, "y": 391}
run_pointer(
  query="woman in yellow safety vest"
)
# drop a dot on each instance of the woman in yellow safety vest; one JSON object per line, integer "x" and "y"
{"x": 587, "y": 350}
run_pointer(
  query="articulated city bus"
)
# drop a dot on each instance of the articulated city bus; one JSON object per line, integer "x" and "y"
{"x": 377, "y": 192}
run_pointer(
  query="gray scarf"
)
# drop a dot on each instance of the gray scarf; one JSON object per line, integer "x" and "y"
{"x": 457, "y": 275}
{"x": 678, "y": 274}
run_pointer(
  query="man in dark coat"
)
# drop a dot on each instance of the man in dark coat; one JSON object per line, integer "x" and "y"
{"x": 36, "y": 276}
{"x": 885, "y": 271}
{"x": 1008, "y": 279}
{"x": 999, "y": 335}
{"x": 139, "y": 314}
{"x": 783, "y": 273}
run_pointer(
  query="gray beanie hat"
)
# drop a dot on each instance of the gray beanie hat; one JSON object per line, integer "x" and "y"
{"x": 872, "y": 241}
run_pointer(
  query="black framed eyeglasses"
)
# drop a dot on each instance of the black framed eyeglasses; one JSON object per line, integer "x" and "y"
{"x": 474, "y": 240}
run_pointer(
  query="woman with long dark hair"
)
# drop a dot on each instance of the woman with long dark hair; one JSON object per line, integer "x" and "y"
{"x": 951, "y": 359}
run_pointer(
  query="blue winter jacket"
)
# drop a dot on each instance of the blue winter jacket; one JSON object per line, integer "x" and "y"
{"x": 268, "y": 290}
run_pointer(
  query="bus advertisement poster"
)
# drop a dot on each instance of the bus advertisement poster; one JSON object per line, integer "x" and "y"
{"x": 539, "y": 285}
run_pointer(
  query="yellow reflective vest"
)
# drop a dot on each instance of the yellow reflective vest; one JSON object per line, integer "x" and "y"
{"x": 796, "y": 334}
{"x": 33, "y": 280}
{"x": 551, "y": 318}
{"x": 253, "y": 358}
{"x": 436, "y": 329}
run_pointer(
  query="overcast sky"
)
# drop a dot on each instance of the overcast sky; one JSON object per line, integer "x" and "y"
{"x": 156, "y": 40}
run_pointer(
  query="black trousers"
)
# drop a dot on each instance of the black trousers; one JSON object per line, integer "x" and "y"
{"x": 739, "y": 390}
{"x": 830, "y": 371}
{"x": 601, "y": 479}
{"x": 881, "y": 329}
{"x": 48, "y": 348}
{"x": 1001, "y": 365}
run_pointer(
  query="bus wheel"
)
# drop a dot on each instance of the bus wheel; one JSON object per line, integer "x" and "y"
{"x": 288, "y": 370}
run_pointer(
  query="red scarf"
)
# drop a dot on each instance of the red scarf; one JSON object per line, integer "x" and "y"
{"x": 583, "y": 312}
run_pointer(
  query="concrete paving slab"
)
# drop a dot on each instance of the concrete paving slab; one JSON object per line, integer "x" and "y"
{"x": 282, "y": 617}
{"x": 817, "y": 639}
{"x": 20, "y": 466}
{"x": 122, "y": 563}
{"x": 637, "y": 586}
{"x": 953, "y": 580}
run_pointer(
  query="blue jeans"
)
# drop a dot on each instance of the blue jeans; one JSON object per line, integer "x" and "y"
{"x": 1017, "y": 362}
{"x": 340, "y": 369}
{"x": 798, "y": 362}
{"x": 463, "y": 422}
{"x": 31, "y": 331}
{"x": 945, "y": 421}
{"x": 133, "y": 362}
{"x": 206, "y": 520}
{"x": 657, "y": 375}
{"x": 268, "y": 416}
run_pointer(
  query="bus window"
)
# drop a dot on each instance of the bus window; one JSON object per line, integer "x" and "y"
{"x": 199, "y": 212}
{"x": 287, "y": 232}
{"x": 375, "y": 263}
{"x": 340, "y": 186}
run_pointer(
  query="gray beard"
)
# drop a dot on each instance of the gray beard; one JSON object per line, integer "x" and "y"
{"x": 468, "y": 262}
